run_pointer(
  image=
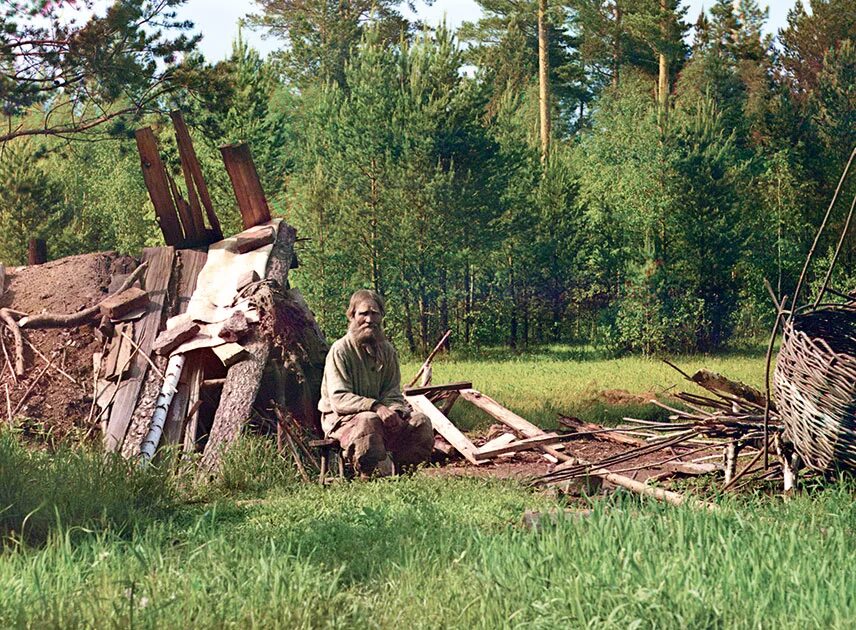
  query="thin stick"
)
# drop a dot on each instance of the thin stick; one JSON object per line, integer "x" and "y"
{"x": 296, "y": 456}
{"x": 8, "y": 405}
{"x": 29, "y": 389}
{"x": 142, "y": 354}
{"x": 95, "y": 373}
{"x": 665, "y": 461}
{"x": 820, "y": 232}
{"x": 8, "y": 361}
{"x": 844, "y": 232}
{"x": 675, "y": 367}
{"x": 430, "y": 357}
{"x": 49, "y": 362}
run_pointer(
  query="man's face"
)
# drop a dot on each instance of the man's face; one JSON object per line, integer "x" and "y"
{"x": 365, "y": 325}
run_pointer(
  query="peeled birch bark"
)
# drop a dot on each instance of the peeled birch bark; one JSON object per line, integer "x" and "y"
{"x": 170, "y": 386}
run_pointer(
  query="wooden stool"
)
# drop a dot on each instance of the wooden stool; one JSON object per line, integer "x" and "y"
{"x": 328, "y": 448}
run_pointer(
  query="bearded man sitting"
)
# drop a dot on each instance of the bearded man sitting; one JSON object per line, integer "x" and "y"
{"x": 361, "y": 401}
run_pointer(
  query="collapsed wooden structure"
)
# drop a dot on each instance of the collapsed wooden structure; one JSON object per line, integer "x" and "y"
{"x": 205, "y": 334}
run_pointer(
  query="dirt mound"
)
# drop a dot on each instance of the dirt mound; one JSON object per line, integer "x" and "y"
{"x": 55, "y": 406}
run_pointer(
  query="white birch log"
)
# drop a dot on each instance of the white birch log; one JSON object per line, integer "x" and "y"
{"x": 170, "y": 386}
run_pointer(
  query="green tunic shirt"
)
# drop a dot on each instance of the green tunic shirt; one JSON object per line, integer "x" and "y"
{"x": 355, "y": 379}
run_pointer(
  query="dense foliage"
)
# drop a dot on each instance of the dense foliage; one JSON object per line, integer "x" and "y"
{"x": 412, "y": 164}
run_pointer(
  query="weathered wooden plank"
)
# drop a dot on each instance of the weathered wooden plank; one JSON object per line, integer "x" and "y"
{"x": 254, "y": 240}
{"x": 509, "y": 419}
{"x": 120, "y": 304}
{"x": 243, "y": 379}
{"x": 156, "y": 281}
{"x": 500, "y": 440}
{"x": 245, "y": 182}
{"x": 444, "y": 427}
{"x": 169, "y": 340}
{"x": 186, "y": 154}
{"x": 154, "y": 175}
{"x": 190, "y": 164}
{"x": 173, "y": 427}
{"x": 431, "y": 389}
{"x": 37, "y": 251}
{"x": 516, "y": 447}
{"x": 184, "y": 212}
{"x": 195, "y": 374}
{"x": 231, "y": 353}
{"x": 117, "y": 362}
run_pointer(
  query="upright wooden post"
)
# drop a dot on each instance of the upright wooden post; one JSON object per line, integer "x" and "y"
{"x": 157, "y": 184}
{"x": 37, "y": 251}
{"x": 245, "y": 181}
{"x": 193, "y": 178}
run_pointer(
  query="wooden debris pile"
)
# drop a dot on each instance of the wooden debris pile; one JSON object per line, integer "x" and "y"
{"x": 709, "y": 437}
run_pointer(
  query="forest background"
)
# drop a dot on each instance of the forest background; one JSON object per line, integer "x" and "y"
{"x": 681, "y": 165}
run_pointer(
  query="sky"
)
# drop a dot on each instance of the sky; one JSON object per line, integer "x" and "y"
{"x": 218, "y": 20}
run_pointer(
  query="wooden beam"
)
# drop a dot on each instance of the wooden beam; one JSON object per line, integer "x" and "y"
{"x": 430, "y": 389}
{"x": 245, "y": 182}
{"x": 444, "y": 427}
{"x": 37, "y": 251}
{"x": 190, "y": 163}
{"x": 509, "y": 419}
{"x": 187, "y": 155}
{"x": 157, "y": 183}
{"x": 515, "y": 447}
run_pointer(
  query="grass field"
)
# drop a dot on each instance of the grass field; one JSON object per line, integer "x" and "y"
{"x": 261, "y": 550}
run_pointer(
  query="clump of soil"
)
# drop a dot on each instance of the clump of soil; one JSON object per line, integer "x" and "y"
{"x": 55, "y": 407}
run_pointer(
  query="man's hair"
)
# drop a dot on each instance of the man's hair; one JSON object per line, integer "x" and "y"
{"x": 361, "y": 296}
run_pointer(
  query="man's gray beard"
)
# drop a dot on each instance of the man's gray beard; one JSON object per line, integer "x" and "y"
{"x": 371, "y": 336}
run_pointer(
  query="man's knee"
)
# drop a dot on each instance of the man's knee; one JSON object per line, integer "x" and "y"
{"x": 366, "y": 422}
{"x": 419, "y": 441}
{"x": 362, "y": 440}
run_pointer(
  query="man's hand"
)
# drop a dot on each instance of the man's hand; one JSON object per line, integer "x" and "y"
{"x": 391, "y": 420}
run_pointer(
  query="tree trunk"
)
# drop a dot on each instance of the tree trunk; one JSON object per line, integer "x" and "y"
{"x": 444, "y": 306}
{"x": 468, "y": 301}
{"x": 616, "y": 45}
{"x": 544, "y": 78}
{"x": 663, "y": 82}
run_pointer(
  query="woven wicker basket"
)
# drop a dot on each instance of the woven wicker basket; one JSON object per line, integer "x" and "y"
{"x": 815, "y": 386}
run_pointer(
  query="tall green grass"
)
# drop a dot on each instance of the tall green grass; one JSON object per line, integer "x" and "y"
{"x": 122, "y": 547}
{"x": 428, "y": 552}
{"x": 42, "y": 491}
{"x": 544, "y": 382}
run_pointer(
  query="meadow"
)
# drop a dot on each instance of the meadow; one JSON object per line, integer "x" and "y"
{"x": 259, "y": 549}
